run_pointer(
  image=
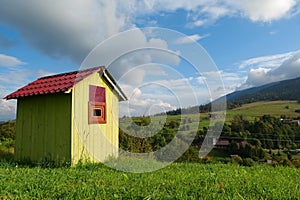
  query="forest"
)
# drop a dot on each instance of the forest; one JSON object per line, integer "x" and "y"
{"x": 255, "y": 140}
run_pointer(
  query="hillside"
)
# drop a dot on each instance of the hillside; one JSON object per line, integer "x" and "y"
{"x": 274, "y": 108}
{"x": 287, "y": 90}
{"x": 282, "y": 90}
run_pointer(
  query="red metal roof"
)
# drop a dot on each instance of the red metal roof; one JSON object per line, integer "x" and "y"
{"x": 53, "y": 84}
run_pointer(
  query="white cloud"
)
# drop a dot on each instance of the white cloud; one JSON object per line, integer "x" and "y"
{"x": 73, "y": 27}
{"x": 265, "y": 11}
{"x": 140, "y": 103}
{"x": 203, "y": 12}
{"x": 12, "y": 78}
{"x": 190, "y": 39}
{"x": 163, "y": 95}
{"x": 266, "y": 61}
{"x": 255, "y": 10}
{"x": 199, "y": 22}
{"x": 133, "y": 60}
{"x": 64, "y": 28}
{"x": 289, "y": 69}
{"x": 175, "y": 90}
{"x": 15, "y": 76}
{"x": 7, "y": 110}
{"x": 230, "y": 82}
{"x": 10, "y": 61}
{"x": 258, "y": 77}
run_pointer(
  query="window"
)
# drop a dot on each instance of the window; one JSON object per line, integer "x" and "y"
{"x": 97, "y": 105}
{"x": 97, "y": 113}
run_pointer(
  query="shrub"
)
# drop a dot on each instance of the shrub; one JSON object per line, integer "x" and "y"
{"x": 191, "y": 155}
{"x": 248, "y": 162}
{"x": 6, "y": 155}
{"x": 237, "y": 159}
{"x": 296, "y": 163}
{"x": 286, "y": 162}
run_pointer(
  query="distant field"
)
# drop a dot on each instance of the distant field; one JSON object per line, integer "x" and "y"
{"x": 249, "y": 112}
{"x": 257, "y": 109}
{"x": 254, "y": 110}
{"x": 177, "y": 181}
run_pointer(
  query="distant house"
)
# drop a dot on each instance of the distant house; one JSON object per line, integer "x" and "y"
{"x": 68, "y": 117}
{"x": 242, "y": 144}
{"x": 222, "y": 144}
{"x": 291, "y": 121}
{"x": 216, "y": 143}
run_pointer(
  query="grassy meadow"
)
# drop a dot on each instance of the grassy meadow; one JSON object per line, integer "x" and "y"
{"x": 273, "y": 108}
{"x": 177, "y": 181}
{"x": 248, "y": 111}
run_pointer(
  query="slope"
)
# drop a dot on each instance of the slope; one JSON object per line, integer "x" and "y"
{"x": 282, "y": 90}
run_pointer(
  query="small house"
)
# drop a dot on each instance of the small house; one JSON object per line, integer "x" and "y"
{"x": 222, "y": 144}
{"x": 295, "y": 122}
{"x": 68, "y": 117}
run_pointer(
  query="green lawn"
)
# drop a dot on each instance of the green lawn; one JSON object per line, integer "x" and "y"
{"x": 177, "y": 181}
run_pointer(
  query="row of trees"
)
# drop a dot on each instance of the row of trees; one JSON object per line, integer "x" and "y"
{"x": 142, "y": 136}
{"x": 136, "y": 136}
{"x": 7, "y": 130}
{"x": 7, "y": 138}
{"x": 249, "y": 139}
{"x": 270, "y": 131}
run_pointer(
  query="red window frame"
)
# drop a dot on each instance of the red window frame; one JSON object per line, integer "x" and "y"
{"x": 97, "y": 119}
{"x": 97, "y": 105}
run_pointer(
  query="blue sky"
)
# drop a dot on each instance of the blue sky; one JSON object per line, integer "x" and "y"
{"x": 252, "y": 42}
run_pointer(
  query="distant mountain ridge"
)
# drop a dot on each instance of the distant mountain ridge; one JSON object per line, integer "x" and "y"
{"x": 281, "y": 90}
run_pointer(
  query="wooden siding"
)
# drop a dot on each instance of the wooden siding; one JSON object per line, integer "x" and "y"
{"x": 44, "y": 128}
{"x": 93, "y": 142}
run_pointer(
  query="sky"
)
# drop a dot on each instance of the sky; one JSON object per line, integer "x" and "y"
{"x": 196, "y": 50}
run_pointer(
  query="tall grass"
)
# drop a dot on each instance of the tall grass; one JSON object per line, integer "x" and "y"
{"x": 177, "y": 181}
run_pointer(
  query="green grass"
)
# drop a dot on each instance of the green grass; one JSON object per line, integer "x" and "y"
{"x": 256, "y": 110}
{"x": 177, "y": 181}
{"x": 273, "y": 108}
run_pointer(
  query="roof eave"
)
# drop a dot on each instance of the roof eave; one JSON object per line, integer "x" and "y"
{"x": 117, "y": 89}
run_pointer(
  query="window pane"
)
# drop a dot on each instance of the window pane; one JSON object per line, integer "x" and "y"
{"x": 97, "y": 112}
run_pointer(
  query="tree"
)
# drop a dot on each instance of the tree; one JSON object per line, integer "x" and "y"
{"x": 238, "y": 124}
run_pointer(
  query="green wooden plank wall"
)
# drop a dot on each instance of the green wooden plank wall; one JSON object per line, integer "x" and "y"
{"x": 44, "y": 127}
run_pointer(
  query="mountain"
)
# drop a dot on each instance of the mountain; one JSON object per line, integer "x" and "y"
{"x": 282, "y": 90}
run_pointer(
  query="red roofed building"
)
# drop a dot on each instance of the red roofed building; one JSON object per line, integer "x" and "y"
{"x": 222, "y": 144}
{"x": 68, "y": 117}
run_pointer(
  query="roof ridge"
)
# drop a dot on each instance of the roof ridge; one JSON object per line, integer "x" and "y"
{"x": 72, "y": 72}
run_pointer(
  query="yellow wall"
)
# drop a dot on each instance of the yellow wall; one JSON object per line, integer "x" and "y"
{"x": 93, "y": 142}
